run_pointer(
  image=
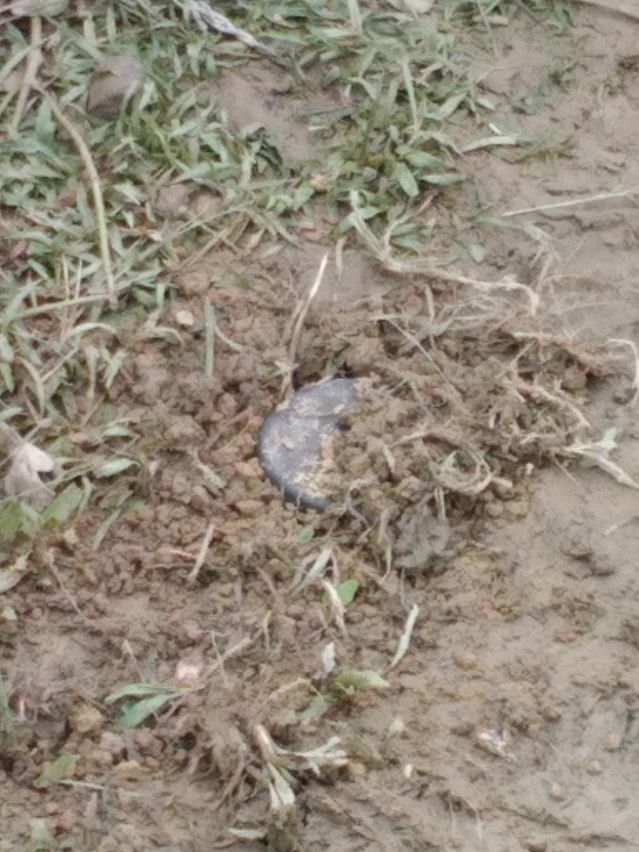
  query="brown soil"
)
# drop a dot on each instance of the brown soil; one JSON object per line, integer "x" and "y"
{"x": 511, "y": 723}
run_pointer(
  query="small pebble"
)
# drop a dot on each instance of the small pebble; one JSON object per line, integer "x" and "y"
{"x": 536, "y": 845}
{"x": 185, "y": 319}
{"x": 593, "y": 768}
{"x": 86, "y": 719}
{"x": 128, "y": 770}
{"x": 194, "y": 283}
{"x": 557, "y": 792}
{"x": 518, "y": 508}
{"x": 250, "y": 508}
{"x": 112, "y": 743}
{"x": 613, "y": 742}
{"x": 494, "y": 510}
{"x": 356, "y": 769}
{"x": 550, "y": 713}
{"x": 464, "y": 660}
{"x": 396, "y": 727}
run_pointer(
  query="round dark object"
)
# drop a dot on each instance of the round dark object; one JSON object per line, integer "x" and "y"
{"x": 295, "y": 439}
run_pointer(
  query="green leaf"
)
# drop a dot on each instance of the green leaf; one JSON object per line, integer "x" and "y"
{"x": 350, "y": 681}
{"x": 318, "y": 706}
{"x": 477, "y": 252}
{"x": 10, "y": 517}
{"x": 406, "y": 180}
{"x": 60, "y": 769}
{"x": 137, "y": 690}
{"x": 41, "y": 840}
{"x": 112, "y": 468}
{"x": 444, "y": 179}
{"x": 306, "y": 535}
{"x": 346, "y": 591}
{"x": 420, "y": 159}
{"x": 134, "y": 714}
{"x": 11, "y": 576}
{"x": 64, "y": 505}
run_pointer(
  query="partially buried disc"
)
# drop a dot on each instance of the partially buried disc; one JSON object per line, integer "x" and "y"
{"x": 294, "y": 444}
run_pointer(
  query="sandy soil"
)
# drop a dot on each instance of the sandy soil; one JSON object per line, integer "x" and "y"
{"x": 512, "y": 722}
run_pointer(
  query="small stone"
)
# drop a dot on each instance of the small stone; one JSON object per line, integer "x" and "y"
{"x": 67, "y": 820}
{"x": 594, "y": 768}
{"x": 464, "y": 660}
{"x": 613, "y": 742}
{"x": 250, "y": 508}
{"x": 100, "y": 603}
{"x": 566, "y": 636}
{"x": 185, "y": 430}
{"x": 128, "y": 770}
{"x": 99, "y": 757}
{"x": 550, "y": 713}
{"x": 194, "y": 283}
{"x": 185, "y": 319}
{"x": 173, "y": 200}
{"x": 518, "y": 508}
{"x": 494, "y": 510}
{"x": 116, "y": 78}
{"x": 86, "y": 719}
{"x": 143, "y": 738}
{"x": 246, "y": 469}
{"x": 356, "y": 769}
{"x": 536, "y": 845}
{"x": 557, "y": 792}
{"x": 396, "y": 727}
{"x": 112, "y": 743}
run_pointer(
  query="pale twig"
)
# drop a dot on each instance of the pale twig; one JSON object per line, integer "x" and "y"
{"x": 300, "y": 317}
{"x": 337, "y": 607}
{"x": 209, "y": 337}
{"x": 573, "y": 202}
{"x": 63, "y": 588}
{"x": 404, "y": 639}
{"x": 207, "y": 18}
{"x": 381, "y": 249}
{"x": 280, "y": 691}
{"x": 201, "y": 556}
{"x": 633, "y": 348}
{"x": 34, "y": 61}
{"x": 96, "y": 188}
{"x": 622, "y": 7}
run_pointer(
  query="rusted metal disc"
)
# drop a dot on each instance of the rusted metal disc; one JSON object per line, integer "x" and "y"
{"x": 294, "y": 444}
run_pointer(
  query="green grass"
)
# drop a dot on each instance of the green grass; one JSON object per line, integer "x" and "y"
{"x": 62, "y": 342}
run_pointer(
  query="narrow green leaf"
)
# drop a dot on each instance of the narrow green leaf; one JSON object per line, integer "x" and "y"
{"x": 420, "y": 159}
{"x": 444, "y": 179}
{"x": 406, "y": 180}
{"x": 134, "y": 714}
{"x": 60, "y": 769}
{"x": 350, "y": 681}
{"x": 10, "y": 517}
{"x": 41, "y": 840}
{"x": 64, "y": 505}
{"x": 10, "y": 577}
{"x": 112, "y": 468}
{"x": 306, "y": 535}
{"x": 137, "y": 690}
{"x": 318, "y": 706}
{"x": 347, "y": 590}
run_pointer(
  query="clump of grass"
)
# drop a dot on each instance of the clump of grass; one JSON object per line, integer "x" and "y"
{"x": 83, "y": 269}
